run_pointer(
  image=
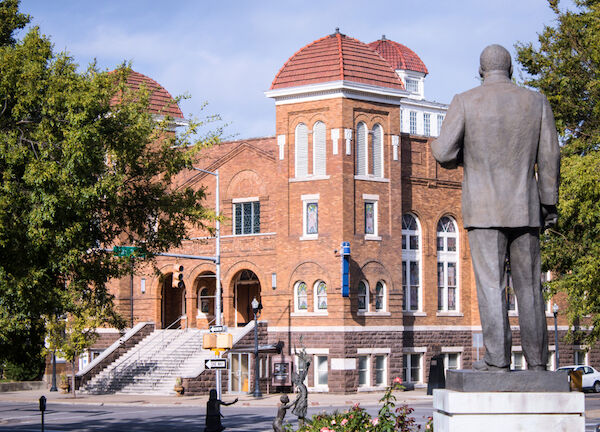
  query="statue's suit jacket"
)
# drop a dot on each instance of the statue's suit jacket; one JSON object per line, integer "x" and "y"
{"x": 501, "y": 133}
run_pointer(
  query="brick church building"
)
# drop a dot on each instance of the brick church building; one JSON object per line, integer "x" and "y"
{"x": 350, "y": 162}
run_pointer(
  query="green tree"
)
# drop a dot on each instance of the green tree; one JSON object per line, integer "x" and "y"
{"x": 565, "y": 66}
{"x": 84, "y": 165}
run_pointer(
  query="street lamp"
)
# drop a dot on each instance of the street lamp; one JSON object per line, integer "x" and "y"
{"x": 256, "y": 308}
{"x": 53, "y": 388}
{"x": 556, "y": 359}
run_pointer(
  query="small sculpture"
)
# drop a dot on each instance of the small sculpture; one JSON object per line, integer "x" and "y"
{"x": 213, "y": 412}
{"x": 283, "y": 407}
{"x": 301, "y": 402}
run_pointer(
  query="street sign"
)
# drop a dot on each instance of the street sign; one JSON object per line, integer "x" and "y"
{"x": 126, "y": 251}
{"x": 218, "y": 329}
{"x": 218, "y": 363}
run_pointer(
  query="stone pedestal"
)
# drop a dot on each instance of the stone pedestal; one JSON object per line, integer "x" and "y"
{"x": 515, "y": 401}
{"x": 508, "y": 411}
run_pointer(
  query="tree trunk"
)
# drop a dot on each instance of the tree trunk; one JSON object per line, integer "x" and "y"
{"x": 73, "y": 376}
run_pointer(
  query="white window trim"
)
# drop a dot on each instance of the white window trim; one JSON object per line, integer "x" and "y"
{"x": 201, "y": 314}
{"x": 374, "y": 199}
{"x": 449, "y": 257}
{"x": 368, "y": 371}
{"x": 414, "y": 114}
{"x": 235, "y": 201}
{"x": 335, "y": 137}
{"x": 296, "y": 150}
{"x": 409, "y": 255}
{"x": 281, "y": 144}
{"x": 309, "y": 199}
{"x": 384, "y": 309}
{"x": 370, "y": 177}
{"x": 519, "y": 350}
{"x": 446, "y": 359}
{"x": 421, "y": 356}
{"x": 365, "y": 146}
{"x": 586, "y": 354}
{"x": 298, "y": 311}
{"x": 373, "y": 351}
{"x": 316, "y": 309}
{"x": 385, "y": 370}
{"x": 367, "y": 299}
{"x": 316, "y": 385}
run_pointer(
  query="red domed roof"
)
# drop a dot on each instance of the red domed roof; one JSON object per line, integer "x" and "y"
{"x": 333, "y": 58}
{"x": 398, "y": 55}
{"x": 161, "y": 102}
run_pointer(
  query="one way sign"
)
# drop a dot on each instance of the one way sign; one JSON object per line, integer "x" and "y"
{"x": 215, "y": 363}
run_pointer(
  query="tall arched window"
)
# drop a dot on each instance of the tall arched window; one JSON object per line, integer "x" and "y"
{"x": 361, "y": 149}
{"x": 380, "y": 297}
{"x": 301, "y": 296}
{"x": 447, "y": 252}
{"x": 319, "y": 149}
{"x": 320, "y": 296}
{"x": 378, "y": 151}
{"x": 301, "y": 153}
{"x": 205, "y": 302}
{"x": 363, "y": 297}
{"x": 411, "y": 263}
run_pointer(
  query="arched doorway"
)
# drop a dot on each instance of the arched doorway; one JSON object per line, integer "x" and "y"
{"x": 173, "y": 304}
{"x": 246, "y": 286}
{"x": 205, "y": 299}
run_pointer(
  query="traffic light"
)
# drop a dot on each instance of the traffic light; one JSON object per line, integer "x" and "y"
{"x": 178, "y": 276}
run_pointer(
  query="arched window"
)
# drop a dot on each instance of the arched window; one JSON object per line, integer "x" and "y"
{"x": 319, "y": 149}
{"x": 363, "y": 296}
{"x": 447, "y": 251}
{"x": 411, "y": 263}
{"x": 380, "y": 297}
{"x": 301, "y": 152}
{"x": 378, "y": 151}
{"x": 320, "y": 296}
{"x": 361, "y": 149}
{"x": 301, "y": 296}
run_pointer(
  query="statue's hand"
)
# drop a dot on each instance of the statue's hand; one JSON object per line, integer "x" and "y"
{"x": 549, "y": 216}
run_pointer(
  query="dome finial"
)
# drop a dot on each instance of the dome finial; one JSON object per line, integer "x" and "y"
{"x": 337, "y": 30}
{"x": 383, "y": 37}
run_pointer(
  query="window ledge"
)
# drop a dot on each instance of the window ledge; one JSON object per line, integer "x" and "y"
{"x": 319, "y": 389}
{"x": 515, "y": 313}
{"x": 309, "y": 237}
{"x": 201, "y": 315}
{"x": 449, "y": 314}
{"x": 308, "y": 314}
{"x": 371, "y": 178}
{"x": 381, "y": 313}
{"x": 413, "y": 313}
{"x": 372, "y": 237}
{"x": 309, "y": 178}
{"x": 370, "y": 389}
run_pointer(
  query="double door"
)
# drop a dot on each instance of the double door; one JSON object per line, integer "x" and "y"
{"x": 239, "y": 377}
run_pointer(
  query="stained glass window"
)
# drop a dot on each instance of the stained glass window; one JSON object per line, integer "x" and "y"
{"x": 321, "y": 291}
{"x": 246, "y": 217}
{"x": 312, "y": 218}
{"x": 363, "y": 296}
{"x": 379, "y": 296}
{"x": 411, "y": 263}
{"x": 369, "y": 218}
{"x": 301, "y": 296}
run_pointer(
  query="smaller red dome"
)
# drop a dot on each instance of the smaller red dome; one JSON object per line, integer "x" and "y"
{"x": 399, "y": 56}
{"x": 336, "y": 57}
{"x": 161, "y": 102}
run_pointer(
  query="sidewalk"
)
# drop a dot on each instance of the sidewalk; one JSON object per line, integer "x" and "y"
{"x": 314, "y": 399}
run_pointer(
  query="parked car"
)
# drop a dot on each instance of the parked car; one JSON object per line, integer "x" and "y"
{"x": 590, "y": 376}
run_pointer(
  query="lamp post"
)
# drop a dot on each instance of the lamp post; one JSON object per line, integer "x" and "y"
{"x": 53, "y": 388}
{"x": 556, "y": 357}
{"x": 256, "y": 308}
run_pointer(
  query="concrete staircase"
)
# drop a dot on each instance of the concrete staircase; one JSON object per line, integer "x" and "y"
{"x": 153, "y": 365}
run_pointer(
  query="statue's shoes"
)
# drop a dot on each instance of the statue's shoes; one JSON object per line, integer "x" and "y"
{"x": 482, "y": 366}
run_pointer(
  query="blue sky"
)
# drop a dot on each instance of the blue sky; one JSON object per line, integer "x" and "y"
{"x": 226, "y": 53}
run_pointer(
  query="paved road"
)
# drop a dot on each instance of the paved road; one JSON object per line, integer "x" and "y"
{"x": 20, "y": 417}
{"x": 61, "y": 417}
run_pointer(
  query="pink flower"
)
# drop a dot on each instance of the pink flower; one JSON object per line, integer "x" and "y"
{"x": 333, "y": 421}
{"x": 325, "y": 429}
{"x": 375, "y": 421}
{"x": 397, "y": 380}
{"x": 344, "y": 422}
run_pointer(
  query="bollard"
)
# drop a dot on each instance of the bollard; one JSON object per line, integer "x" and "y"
{"x": 42, "y": 409}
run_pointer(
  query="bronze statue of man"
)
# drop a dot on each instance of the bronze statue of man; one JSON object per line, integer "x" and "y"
{"x": 505, "y": 138}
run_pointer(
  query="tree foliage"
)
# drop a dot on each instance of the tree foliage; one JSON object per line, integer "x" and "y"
{"x": 566, "y": 68}
{"x": 84, "y": 165}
